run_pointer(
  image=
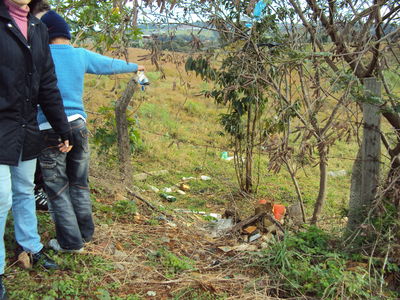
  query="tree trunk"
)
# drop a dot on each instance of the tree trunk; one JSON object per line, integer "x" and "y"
{"x": 124, "y": 147}
{"x": 370, "y": 159}
{"x": 249, "y": 153}
{"x": 323, "y": 180}
{"x": 297, "y": 188}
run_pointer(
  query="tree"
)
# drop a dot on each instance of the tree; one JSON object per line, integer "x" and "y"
{"x": 359, "y": 38}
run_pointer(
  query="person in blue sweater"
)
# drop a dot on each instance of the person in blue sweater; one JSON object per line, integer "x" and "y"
{"x": 65, "y": 175}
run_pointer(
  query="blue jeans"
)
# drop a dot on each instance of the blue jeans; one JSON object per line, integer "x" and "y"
{"x": 16, "y": 191}
{"x": 65, "y": 177}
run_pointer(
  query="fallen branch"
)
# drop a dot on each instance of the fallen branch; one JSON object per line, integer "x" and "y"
{"x": 247, "y": 221}
{"x": 254, "y": 218}
{"x": 273, "y": 220}
{"x": 148, "y": 203}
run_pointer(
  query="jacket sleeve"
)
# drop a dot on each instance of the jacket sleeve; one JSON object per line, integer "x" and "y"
{"x": 103, "y": 65}
{"x": 49, "y": 95}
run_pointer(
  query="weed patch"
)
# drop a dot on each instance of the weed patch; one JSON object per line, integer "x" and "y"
{"x": 171, "y": 263}
{"x": 306, "y": 264}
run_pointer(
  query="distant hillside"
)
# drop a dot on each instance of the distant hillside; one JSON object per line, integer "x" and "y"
{"x": 177, "y": 37}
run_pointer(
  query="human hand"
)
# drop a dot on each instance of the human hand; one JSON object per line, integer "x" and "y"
{"x": 64, "y": 146}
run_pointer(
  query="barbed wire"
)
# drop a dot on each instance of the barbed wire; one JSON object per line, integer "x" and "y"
{"x": 178, "y": 141}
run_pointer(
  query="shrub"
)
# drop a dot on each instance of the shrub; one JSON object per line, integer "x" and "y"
{"x": 306, "y": 264}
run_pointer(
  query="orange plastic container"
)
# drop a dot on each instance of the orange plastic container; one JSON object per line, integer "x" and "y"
{"x": 262, "y": 201}
{"x": 279, "y": 211}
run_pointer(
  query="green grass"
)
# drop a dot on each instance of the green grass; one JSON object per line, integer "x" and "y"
{"x": 78, "y": 277}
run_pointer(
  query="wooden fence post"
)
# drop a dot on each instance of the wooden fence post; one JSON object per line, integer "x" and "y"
{"x": 124, "y": 148}
{"x": 371, "y": 147}
{"x": 365, "y": 177}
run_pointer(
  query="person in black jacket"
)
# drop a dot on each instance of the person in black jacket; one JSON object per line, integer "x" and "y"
{"x": 27, "y": 79}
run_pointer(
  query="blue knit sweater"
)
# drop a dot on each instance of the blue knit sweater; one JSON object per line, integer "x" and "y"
{"x": 71, "y": 65}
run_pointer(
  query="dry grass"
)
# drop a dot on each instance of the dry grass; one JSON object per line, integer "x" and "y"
{"x": 134, "y": 247}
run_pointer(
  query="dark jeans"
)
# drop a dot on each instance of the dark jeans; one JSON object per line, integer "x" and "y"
{"x": 66, "y": 182}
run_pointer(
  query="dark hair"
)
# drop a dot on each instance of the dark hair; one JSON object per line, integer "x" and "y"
{"x": 37, "y": 6}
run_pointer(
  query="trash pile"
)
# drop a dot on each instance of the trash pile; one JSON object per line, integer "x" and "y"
{"x": 264, "y": 225}
{"x": 267, "y": 220}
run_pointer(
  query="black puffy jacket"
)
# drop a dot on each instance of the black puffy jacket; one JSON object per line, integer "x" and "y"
{"x": 27, "y": 78}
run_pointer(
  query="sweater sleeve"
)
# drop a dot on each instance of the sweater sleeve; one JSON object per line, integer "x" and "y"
{"x": 103, "y": 65}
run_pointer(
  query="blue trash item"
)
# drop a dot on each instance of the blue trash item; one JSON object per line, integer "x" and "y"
{"x": 258, "y": 10}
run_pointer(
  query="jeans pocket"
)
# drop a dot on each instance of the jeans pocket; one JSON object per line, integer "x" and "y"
{"x": 48, "y": 170}
{"x": 48, "y": 163}
{"x": 83, "y": 135}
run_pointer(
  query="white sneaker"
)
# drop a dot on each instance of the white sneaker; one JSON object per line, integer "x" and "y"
{"x": 53, "y": 243}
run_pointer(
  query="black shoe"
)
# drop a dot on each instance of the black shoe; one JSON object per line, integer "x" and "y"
{"x": 3, "y": 292}
{"x": 43, "y": 260}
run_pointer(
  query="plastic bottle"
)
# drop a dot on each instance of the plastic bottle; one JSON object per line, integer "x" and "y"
{"x": 142, "y": 79}
{"x": 167, "y": 197}
{"x": 224, "y": 155}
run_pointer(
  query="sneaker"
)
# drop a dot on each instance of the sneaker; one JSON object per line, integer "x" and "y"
{"x": 53, "y": 243}
{"x": 3, "y": 292}
{"x": 43, "y": 260}
{"x": 41, "y": 200}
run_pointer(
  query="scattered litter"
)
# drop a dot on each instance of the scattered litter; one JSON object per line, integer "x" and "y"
{"x": 188, "y": 178}
{"x": 184, "y": 187}
{"x": 185, "y": 210}
{"x": 119, "y": 246}
{"x": 154, "y": 189}
{"x": 264, "y": 205}
{"x": 151, "y": 293}
{"x": 225, "y": 248}
{"x": 203, "y": 213}
{"x": 219, "y": 227}
{"x": 167, "y": 190}
{"x": 215, "y": 263}
{"x": 250, "y": 229}
{"x": 279, "y": 211}
{"x": 180, "y": 192}
{"x": 241, "y": 247}
{"x": 339, "y": 173}
{"x": 214, "y": 215}
{"x": 224, "y": 156}
{"x": 204, "y": 177}
{"x": 167, "y": 197}
{"x": 254, "y": 237}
